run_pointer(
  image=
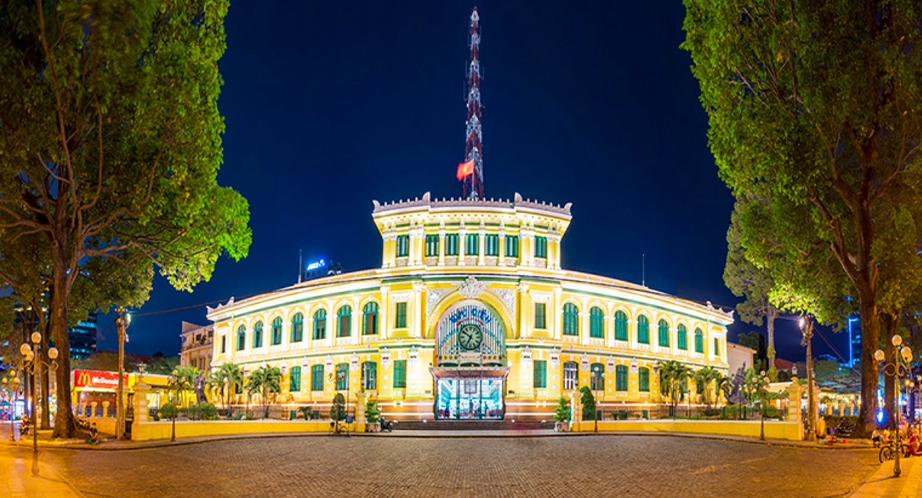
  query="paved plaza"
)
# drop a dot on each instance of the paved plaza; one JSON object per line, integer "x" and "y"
{"x": 599, "y": 466}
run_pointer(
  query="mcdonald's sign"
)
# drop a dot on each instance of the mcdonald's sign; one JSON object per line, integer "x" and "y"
{"x": 97, "y": 379}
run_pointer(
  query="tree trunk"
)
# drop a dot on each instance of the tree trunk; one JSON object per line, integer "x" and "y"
{"x": 64, "y": 426}
{"x": 889, "y": 328}
{"x": 770, "y": 325}
{"x": 120, "y": 393}
{"x": 870, "y": 342}
{"x": 45, "y": 383}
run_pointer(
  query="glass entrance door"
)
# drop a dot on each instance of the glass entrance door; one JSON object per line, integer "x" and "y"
{"x": 467, "y": 398}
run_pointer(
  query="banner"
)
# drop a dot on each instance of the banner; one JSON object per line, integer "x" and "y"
{"x": 97, "y": 379}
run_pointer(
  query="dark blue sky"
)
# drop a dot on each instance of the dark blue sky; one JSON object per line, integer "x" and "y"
{"x": 329, "y": 105}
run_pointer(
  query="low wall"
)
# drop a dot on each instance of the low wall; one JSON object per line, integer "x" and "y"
{"x": 792, "y": 431}
{"x": 147, "y": 431}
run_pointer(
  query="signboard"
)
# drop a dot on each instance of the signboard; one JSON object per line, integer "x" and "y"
{"x": 316, "y": 265}
{"x": 97, "y": 379}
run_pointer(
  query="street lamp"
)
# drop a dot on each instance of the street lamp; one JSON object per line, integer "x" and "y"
{"x": 11, "y": 382}
{"x": 597, "y": 377}
{"x": 763, "y": 382}
{"x": 806, "y": 326}
{"x": 897, "y": 365}
{"x": 174, "y": 387}
{"x": 32, "y": 364}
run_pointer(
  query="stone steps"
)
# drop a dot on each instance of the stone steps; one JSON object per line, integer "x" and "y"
{"x": 474, "y": 425}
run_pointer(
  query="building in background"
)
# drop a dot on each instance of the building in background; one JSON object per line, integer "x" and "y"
{"x": 854, "y": 341}
{"x": 83, "y": 337}
{"x": 197, "y": 349}
{"x": 739, "y": 356}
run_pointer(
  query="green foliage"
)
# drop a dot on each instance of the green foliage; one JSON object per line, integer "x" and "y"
{"x": 562, "y": 411}
{"x": 588, "y": 401}
{"x": 674, "y": 377}
{"x": 621, "y": 414}
{"x": 734, "y": 412}
{"x": 266, "y": 381}
{"x": 372, "y": 413}
{"x": 338, "y": 408}
{"x": 224, "y": 380}
{"x": 703, "y": 377}
{"x": 202, "y": 411}
{"x": 168, "y": 410}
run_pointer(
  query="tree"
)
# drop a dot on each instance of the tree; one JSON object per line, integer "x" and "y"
{"x": 816, "y": 107}
{"x": 754, "y": 340}
{"x": 265, "y": 381}
{"x": 562, "y": 410}
{"x": 110, "y": 143}
{"x": 184, "y": 381}
{"x": 588, "y": 401}
{"x": 224, "y": 380}
{"x": 703, "y": 378}
{"x": 673, "y": 377}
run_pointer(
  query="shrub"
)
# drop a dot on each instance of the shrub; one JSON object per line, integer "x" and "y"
{"x": 562, "y": 413}
{"x": 372, "y": 413}
{"x": 622, "y": 414}
{"x": 772, "y": 412}
{"x": 712, "y": 412}
{"x": 168, "y": 410}
{"x": 204, "y": 411}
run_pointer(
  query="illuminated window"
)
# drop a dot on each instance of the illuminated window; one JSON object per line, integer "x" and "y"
{"x": 540, "y": 315}
{"x": 620, "y": 326}
{"x": 643, "y": 329}
{"x": 295, "y": 380}
{"x": 241, "y": 338}
{"x": 317, "y": 378}
{"x": 400, "y": 321}
{"x": 596, "y": 323}
{"x": 570, "y": 319}
{"x": 451, "y": 244}
{"x": 342, "y": 376}
{"x": 663, "y": 333}
{"x": 344, "y": 321}
{"x": 432, "y": 245}
{"x": 682, "y": 337}
{"x": 491, "y": 245}
{"x": 621, "y": 378}
{"x": 297, "y": 327}
{"x": 400, "y": 374}
{"x": 370, "y": 319}
{"x": 472, "y": 244}
{"x": 258, "y": 335}
{"x": 512, "y": 246}
{"x": 643, "y": 378}
{"x": 277, "y": 331}
{"x": 699, "y": 341}
{"x": 320, "y": 324}
{"x": 569, "y": 376}
{"x": 370, "y": 375}
{"x": 540, "y": 374}
{"x": 403, "y": 245}
{"x": 541, "y": 247}
{"x": 597, "y": 377}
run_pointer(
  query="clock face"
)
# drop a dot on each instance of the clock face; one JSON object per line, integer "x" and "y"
{"x": 470, "y": 336}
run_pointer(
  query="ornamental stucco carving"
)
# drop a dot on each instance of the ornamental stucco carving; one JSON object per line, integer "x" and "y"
{"x": 507, "y": 297}
{"x": 433, "y": 296}
{"x": 471, "y": 288}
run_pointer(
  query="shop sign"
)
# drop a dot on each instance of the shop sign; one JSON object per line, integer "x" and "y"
{"x": 97, "y": 379}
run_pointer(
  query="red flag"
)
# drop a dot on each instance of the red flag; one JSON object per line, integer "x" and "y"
{"x": 465, "y": 169}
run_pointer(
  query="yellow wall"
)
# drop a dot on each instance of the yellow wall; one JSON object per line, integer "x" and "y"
{"x": 792, "y": 431}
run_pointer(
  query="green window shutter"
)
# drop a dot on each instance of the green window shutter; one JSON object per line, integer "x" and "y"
{"x": 699, "y": 341}
{"x": 643, "y": 330}
{"x": 512, "y": 246}
{"x": 492, "y": 245}
{"x": 317, "y": 378}
{"x": 370, "y": 319}
{"x": 403, "y": 245}
{"x": 223, "y": 343}
{"x": 540, "y": 315}
{"x": 663, "y": 334}
{"x": 716, "y": 346}
{"x": 401, "y": 318}
{"x": 241, "y": 338}
{"x": 682, "y": 337}
{"x": 400, "y": 374}
{"x": 451, "y": 244}
{"x": 320, "y": 324}
{"x": 342, "y": 376}
{"x": 570, "y": 319}
{"x": 621, "y": 378}
{"x": 297, "y": 327}
{"x": 644, "y": 379}
{"x": 277, "y": 331}
{"x": 596, "y": 323}
{"x": 369, "y": 375}
{"x": 620, "y": 326}
{"x": 432, "y": 245}
{"x": 295, "y": 380}
{"x": 258, "y": 335}
{"x": 597, "y": 377}
{"x": 541, "y": 247}
{"x": 344, "y": 321}
{"x": 472, "y": 247}
{"x": 540, "y": 374}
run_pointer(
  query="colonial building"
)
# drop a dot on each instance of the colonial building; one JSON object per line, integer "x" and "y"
{"x": 469, "y": 316}
{"x": 197, "y": 346}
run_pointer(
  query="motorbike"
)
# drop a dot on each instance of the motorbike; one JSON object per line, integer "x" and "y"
{"x": 24, "y": 427}
{"x": 386, "y": 425}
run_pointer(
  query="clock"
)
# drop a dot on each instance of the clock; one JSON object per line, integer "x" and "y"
{"x": 470, "y": 336}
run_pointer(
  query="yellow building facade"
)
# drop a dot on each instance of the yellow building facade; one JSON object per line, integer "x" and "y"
{"x": 470, "y": 316}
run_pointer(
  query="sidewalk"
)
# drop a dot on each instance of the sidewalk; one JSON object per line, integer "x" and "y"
{"x": 883, "y": 485}
{"x": 17, "y": 480}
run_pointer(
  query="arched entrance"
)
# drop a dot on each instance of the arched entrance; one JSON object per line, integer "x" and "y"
{"x": 470, "y": 371}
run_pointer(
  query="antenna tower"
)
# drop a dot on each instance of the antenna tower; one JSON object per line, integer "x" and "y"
{"x": 473, "y": 183}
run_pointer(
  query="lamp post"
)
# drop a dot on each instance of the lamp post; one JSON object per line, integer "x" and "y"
{"x": 174, "y": 393}
{"x": 763, "y": 385}
{"x": 32, "y": 364}
{"x": 596, "y": 377}
{"x": 897, "y": 365}
{"x": 121, "y": 321}
{"x": 11, "y": 382}
{"x": 806, "y": 326}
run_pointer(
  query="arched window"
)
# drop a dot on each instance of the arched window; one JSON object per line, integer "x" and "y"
{"x": 597, "y": 377}
{"x": 294, "y": 380}
{"x": 258, "y": 335}
{"x": 596, "y": 323}
{"x": 277, "y": 331}
{"x": 342, "y": 376}
{"x": 320, "y": 324}
{"x": 643, "y": 379}
{"x": 621, "y": 378}
{"x": 570, "y": 319}
{"x": 699, "y": 341}
{"x": 344, "y": 321}
{"x": 370, "y": 319}
{"x": 241, "y": 338}
{"x": 620, "y": 326}
{"x": 643, "y": 329}
{"x": 297, "y": 327}
{"x": 663, "y": 333}
{"x": 569, "y": 376}
{"x": 682, "y": 337}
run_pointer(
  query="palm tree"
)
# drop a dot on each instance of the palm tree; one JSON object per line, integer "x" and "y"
{"x": 673, "y": 376}
{"x": 265, "y": 381}
{"x": 224, "y": 381}
{"x": 185, "y": 381}
{"x": 703, "y": 377}
{"x": 723, "y": 383}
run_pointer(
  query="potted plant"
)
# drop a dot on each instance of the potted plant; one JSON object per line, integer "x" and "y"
{"x": 562, "y": 415}
{"x": 372, "y": 416}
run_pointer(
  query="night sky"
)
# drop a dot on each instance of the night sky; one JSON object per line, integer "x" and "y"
{"x": 329, "y": 105}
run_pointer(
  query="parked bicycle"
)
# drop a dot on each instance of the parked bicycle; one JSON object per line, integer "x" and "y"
{"x": 888, "y": 450}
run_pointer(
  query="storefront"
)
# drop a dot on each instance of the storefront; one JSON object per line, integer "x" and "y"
{"x": 94, "y": 391}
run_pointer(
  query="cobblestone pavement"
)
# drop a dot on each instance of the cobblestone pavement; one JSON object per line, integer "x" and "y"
{"x": 598, "y": 466}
